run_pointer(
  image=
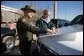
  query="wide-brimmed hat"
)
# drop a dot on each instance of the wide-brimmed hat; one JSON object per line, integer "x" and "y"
{"x": 27, "y": 7}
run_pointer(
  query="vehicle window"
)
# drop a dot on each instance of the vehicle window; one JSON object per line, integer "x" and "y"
{"x": 77, "y": 20}
{"x": 4, "y": 29}
{"x": 81, "y": 20}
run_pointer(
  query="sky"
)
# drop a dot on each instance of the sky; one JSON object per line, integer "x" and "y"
{"x": 65, "y": 9}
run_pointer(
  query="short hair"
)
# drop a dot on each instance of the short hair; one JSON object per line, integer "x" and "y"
{"x": 46, "y": 11}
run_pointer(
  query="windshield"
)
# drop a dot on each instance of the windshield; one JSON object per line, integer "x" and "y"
{"x": 77, "y": 20}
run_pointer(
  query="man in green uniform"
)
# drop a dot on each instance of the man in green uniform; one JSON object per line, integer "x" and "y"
{"x": 25, "y": 30}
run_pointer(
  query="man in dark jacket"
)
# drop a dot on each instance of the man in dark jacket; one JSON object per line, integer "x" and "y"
{"x": 25, "y": 30}
{"x": 44, "y": 22}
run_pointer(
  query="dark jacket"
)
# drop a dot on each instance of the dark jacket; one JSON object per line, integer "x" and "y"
{"x": 44, "y": 25}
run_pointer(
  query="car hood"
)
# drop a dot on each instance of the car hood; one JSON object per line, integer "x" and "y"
{"x": 68, "y": 41}
{"x": 66, "y": 30}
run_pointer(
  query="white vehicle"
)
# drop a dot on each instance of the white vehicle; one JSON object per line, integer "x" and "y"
{"x": 68, "y": 40}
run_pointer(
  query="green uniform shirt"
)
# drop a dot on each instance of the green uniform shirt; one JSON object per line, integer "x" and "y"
{"x": 26, "y": 29}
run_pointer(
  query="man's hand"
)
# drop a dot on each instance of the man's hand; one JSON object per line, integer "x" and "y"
{"x": 54, "y": 30}
{"x": 34, "y": 37}
{"x": 49, "y": 31}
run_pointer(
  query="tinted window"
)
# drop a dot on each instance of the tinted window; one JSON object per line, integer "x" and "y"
{"x": 77, "y": 20}
{"x": 4, "y": 30}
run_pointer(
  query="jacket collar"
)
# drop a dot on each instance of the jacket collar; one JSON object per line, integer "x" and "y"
{"x": 46, "y": 20}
